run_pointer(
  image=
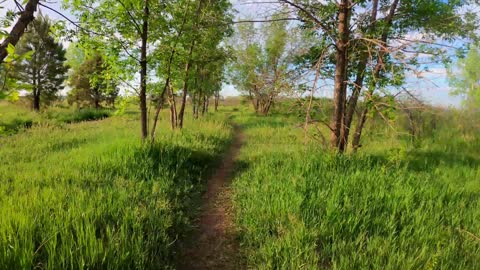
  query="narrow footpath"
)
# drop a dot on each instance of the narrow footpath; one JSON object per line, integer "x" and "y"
{"x": 213, "y": 245}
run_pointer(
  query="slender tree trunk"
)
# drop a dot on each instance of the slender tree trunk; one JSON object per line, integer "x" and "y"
{"x": 352, "y": 103}
{"x": 358, "y": 85}
{"x": 26, "y": 17}
{"x": 187, "y": 69}
{"x": 194, "y": 102}
{"x": 217, "y": 99}
{"x": 185, "y": 88}
{"x": 339, "y": 95}
{"x": 36, "y": 100}
{"x": 358, "y": 130}
{"x": 143, "y": 73}
{"x": 169, "y": 71}
{"x": 204, "y": 107}
{"x": 35, "y": 90}
{"x": 253, "y": 99}
{"x": 173, "y": 107}
{"x": 207, "y": 101}
{"x": 376, "y": 72}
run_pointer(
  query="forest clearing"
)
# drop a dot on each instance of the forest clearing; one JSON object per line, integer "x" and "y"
{"x": 201, "y": 134}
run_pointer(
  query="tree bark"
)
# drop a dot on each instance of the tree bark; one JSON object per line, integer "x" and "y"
{"x": 173, "y": 107}
{"x": 143, "y": 73}
{"x": 26, "y": 17}
{"x": 36, "y": 100}
{"x": 339, "y": 95}
{"x": 185, "y": 86}
{"x": 36, "y": 90}
{"x": 217, "y": 99}
{"x": 358, "y": 130}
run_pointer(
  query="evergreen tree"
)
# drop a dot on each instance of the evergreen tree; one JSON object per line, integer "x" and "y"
{"x": 44, "y": 72}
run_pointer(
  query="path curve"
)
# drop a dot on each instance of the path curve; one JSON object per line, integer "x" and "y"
{"x": 213, "y": 245}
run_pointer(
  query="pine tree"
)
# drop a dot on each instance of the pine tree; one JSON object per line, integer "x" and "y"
{"x": 44, "y": 72}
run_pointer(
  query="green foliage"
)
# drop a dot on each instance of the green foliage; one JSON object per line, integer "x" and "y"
{"x": 467, "y": 80}
{"x": 264, "y": 57}
{"x": 91, "y": 84}
{"x": 101, "y": 199}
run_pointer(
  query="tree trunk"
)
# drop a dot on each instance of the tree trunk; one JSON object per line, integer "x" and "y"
{"x": 339, "y": 95}
{"x": 358, "y": 130}
{"x": 26, "y": 17}
{"x": 143, "y": 73}
{"x": 35, "y": 90}
{"x": 187, "y": 69}
{"x": 204, "y": 107}
{"x": 376, "y": 72}
{"x": 217, "y": 99}
{"x": 173, "y": 107}
{"x": 167, "y": 81}
{"x": 352, "y": 102}
{"x": 36, "y": 100}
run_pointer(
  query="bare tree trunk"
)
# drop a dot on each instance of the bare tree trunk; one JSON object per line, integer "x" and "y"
{"x": 143, "y": 73}
{"x": 253, "y": 99}
{"x": 339, "y": 95}
{"x": 358, "y": 130}
{"x": 36, "y": 91}
{"x": 352, "y": 102}
{"x": 358, "y": 85}
{"x": 173, "y": 107}
{"x": 207, "y": 100}
{"x": 36, "y": 100}
{"x": 169, "y": 71}
{"x": 204, "y": 107}
{"x": 194, "y": 102}
{"x": 187, "y": 69}
{"x": 185, "y": 87}
{"x": 376, "y": 72}
{"x": 217, "y": 99}
{"x": 26, "y": 17}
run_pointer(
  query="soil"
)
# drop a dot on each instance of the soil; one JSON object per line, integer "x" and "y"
{"x": 213, "y": 245}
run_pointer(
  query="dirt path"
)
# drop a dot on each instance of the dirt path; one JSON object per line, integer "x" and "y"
{"x": 213, "y": 245}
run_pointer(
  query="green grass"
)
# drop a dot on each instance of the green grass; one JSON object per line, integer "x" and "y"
{"x": 395, "y": 205}
{"x": 15, "y": 117}
{"x": 91, "y": 196}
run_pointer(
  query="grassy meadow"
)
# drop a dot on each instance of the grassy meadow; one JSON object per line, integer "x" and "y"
{"x": 397, "y": 204}
{"x": 91, "y": 196}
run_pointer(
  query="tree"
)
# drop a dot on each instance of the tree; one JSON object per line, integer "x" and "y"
{"x": 44, "y": 72}
{"x": 190, "y": 52}
{"x": 91, "y": 84}
{"x": 370, "y": 46}
{"x": 26, "y": 17}
{"x": 466, "y": 82}
{"x": 122, "y": 31}
{"x": 263, "y": 66}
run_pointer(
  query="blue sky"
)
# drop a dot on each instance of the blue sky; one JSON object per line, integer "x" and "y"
{"x": 433, "y": 87}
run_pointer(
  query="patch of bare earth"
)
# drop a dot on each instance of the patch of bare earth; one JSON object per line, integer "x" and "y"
{"x": 213, "y": 245}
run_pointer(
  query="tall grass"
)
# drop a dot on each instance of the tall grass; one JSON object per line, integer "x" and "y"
{"x": 15, "y": 117}
{"x": 91, "y": 196}
{"x": 298, "y": 207}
